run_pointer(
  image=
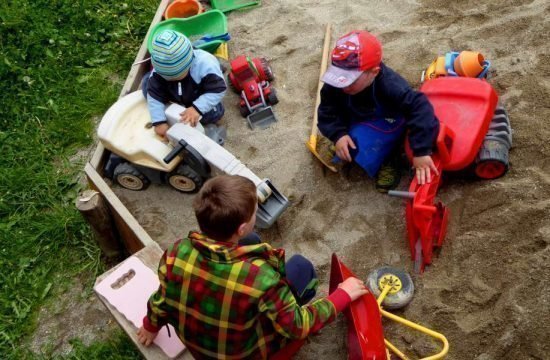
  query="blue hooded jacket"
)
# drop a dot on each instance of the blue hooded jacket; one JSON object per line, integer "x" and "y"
{"x": 390, "y": 91}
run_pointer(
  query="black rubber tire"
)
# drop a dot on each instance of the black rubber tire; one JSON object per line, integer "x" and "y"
{"x": 244, "y": 111}
{"x": 266, "y": 68}
{"x": 185, "y": 179}
{"x": 392, "y": 301}
{"x": 272, "y": 98}
{"x": 129, "y": 177}
{"x": 492, "y": 160}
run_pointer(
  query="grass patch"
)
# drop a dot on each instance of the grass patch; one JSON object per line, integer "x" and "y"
{"x": 61, "y": 62}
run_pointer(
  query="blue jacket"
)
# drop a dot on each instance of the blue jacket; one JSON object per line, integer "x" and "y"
{"x": 203, "y": 88}
{"x": 390, "y": 91}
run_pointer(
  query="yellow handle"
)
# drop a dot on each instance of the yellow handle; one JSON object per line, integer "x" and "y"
{"x": 313, "y": 136}
{"x": 426, "y": 331}
{"x": 415, "y": 326}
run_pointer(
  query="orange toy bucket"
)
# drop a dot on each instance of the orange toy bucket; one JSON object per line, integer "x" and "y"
{"x": 183, "y": 9}
{"x": 469, "y": 64}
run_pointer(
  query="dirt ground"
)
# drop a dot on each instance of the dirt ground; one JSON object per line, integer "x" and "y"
{"x": 488, "y": 289}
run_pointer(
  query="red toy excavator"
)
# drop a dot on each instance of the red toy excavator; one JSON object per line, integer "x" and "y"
{"x": 474, "y": 134}
{"x": 251, "y": 79}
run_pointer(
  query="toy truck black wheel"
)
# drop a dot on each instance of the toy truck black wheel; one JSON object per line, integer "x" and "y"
{"x": 244, "y": 110}
{"x": 492, "y": 160}
{"x": 185, "y": 179}
{"x": 129, "y": 177}
{"x": 402, "y": 287}
{"x": 272, "y": 98}
{"x": 266, "y": 69}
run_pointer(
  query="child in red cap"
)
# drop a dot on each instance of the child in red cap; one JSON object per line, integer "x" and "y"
{"x": 366, "y": 107}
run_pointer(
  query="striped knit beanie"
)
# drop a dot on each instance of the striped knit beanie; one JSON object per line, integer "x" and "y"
{"x": 171, "y": 54}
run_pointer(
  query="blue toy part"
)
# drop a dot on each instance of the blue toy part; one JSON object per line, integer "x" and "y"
{"x": 486, "y": 66}
{"x": 450, "y": 61}
{"x": 450, "y": 67}
{"x": 209, "y": 38}
{"x": 375, "y": 140}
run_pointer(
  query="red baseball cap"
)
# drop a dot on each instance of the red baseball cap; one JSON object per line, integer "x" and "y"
{"x": 354, "y": 53}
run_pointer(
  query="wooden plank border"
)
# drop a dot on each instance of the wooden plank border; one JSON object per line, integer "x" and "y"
{"x": 133, "y": 236}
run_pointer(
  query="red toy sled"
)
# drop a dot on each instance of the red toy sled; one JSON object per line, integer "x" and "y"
{"x": 465, "y": 109}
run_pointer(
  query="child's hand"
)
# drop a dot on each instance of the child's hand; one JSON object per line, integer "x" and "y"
{"x": 190, "y": 116}
{"x": 342, "y": 147}
{"x": 424, "y": 165}
{"x": 354, "y": 287}
{"x": 145, "y": 337}
{"x": 161, "y": 129}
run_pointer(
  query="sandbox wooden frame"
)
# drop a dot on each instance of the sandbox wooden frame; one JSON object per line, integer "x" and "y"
{"x": 132, "y": 235}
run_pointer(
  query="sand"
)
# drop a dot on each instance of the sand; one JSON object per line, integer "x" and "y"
{"x": 488, "y": 289}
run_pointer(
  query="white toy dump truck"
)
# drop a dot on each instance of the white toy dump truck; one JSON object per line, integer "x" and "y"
{"x": 140, "y": 157}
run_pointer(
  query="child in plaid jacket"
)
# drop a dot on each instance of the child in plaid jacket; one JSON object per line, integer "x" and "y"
{"x": 230, "y": 296}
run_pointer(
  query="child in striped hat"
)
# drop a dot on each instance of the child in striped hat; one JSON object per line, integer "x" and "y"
{"x": 183, "y": 75}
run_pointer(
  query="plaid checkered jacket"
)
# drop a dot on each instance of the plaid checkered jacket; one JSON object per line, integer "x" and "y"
{"x": 230, "y": 302}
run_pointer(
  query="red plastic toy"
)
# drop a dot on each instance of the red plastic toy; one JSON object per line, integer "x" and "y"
{"x": 365, "y": 333}
{"x": 250, "y": 78}
{"x": 465, "y": 109}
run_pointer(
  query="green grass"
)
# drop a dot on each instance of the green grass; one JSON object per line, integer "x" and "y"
{"x": 62, "y": 63}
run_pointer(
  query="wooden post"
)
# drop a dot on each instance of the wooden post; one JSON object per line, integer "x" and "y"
{"x": 94, "y": 209}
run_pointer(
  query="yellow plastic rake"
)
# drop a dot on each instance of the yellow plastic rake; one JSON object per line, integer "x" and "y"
{"x": 312, "y": 142}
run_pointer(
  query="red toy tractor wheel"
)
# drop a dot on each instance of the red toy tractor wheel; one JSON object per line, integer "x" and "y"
{"x": 272, "y": 98}
{"x": 244, "y": 110}
{"x": 492, "y": 160}
{"x": 264, "y": 70}
{"x": 491, "y": 169}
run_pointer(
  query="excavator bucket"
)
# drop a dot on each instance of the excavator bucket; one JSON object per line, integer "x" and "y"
{"x": 270, "y": 210}
{"x": 261, "y": 118}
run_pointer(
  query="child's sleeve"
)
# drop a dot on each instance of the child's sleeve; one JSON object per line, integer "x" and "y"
{"x": 156, "y": 306}
{"x": 297, "y": 322}
{"x": 421, "y": 121}
{"x": 422, "y": 124}
{"x": 157, "y": 97}
{"x": 331, "y": 123}
{"x": 156, "y": 110}
{"x": 208, "y": 74}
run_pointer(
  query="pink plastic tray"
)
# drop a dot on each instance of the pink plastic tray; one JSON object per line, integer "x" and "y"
{"x": 127, "y": 289}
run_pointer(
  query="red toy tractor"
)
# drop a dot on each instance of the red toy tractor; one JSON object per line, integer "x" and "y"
{"x": 250, "y": 78}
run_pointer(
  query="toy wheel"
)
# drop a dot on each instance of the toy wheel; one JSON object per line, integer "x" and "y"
{"x": 129, "y": 177}
{"x": 272, "y": 98}
{"x": 492, "y": 160}
{"x": 185, "y": 179}
{"x": 491, "y": 169}
{"x": 402, "y": 287}
{"x": 244, "y": 110}
{"x": 267, "y": 70}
